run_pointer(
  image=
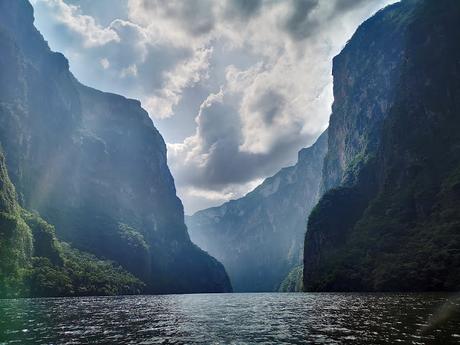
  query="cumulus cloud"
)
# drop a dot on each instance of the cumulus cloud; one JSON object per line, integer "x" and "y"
{"x": 186, "y": 74}
{"x": 237, "y": 87}
{"x": 301, "y": 21}
{"x": 212, "y": 162}
{"x": 204, "y": 198}
{"x": 195, "y": 17}
{"x": 82, "y": 26}
{"x": 242, "y": 9}
{"x": 345, "y": 5}
{"x": 105, "y": 63}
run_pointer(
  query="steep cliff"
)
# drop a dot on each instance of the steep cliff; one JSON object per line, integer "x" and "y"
{"x": 259, "y": 237}
{"x": 93, "y": 165}
{"x": 390, "y": 217}
{"x": 34, "y": 263}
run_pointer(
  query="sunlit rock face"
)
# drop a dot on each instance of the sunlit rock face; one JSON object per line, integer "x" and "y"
{"x": 390, "y": 216}
{"x": 93, "y": 164}
{"x": 259, "y": 237}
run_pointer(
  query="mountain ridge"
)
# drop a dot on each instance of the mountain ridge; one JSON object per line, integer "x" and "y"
{"x": 94, "y": 165}
{"x": 259, "y": 236}
{"x": 388, "y": 220}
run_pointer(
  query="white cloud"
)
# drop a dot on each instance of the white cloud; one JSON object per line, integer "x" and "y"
{"x": 185, "y": 75}
{"x": 260, "y": 69}
{"x": 85, "y": 26}
{"x": 204, "y": 198}
{"x": 105, "y": 63}
{"x": 130, "y": 71}
{"x": 264, "y": 112}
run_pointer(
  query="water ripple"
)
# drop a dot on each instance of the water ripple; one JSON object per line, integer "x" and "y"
{"x": 233, "y": 319}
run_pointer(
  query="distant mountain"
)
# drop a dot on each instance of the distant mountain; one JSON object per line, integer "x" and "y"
{"x": 93, "y": 165}
{"x": 390, "y": 216}
{"x": 259, "y": 237}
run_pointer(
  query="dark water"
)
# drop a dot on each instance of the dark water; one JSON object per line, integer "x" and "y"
{"x": 233, "y": 319}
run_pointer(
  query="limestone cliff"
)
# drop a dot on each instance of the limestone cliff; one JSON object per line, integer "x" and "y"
{"x": 390, "y": 216}
{"x": 93, "y": 165}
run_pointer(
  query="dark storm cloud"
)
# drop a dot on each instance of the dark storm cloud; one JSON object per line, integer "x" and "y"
{"x": 197, "y": 17}
{"x": 228, "y": 165}
{"x": 270, "y": 104}
{"x": 216, "y": 122}
{"x": 300, "y": 24}
{"x": 303, "y": 22}
{"x": 347, "y": 5}
{"x": 194, "y": 16}
{"x": 219, "y": 131}
{"x": 243, "y": 9}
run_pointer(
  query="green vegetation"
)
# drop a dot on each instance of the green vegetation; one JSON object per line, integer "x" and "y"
{"x": 34, "y": 263}
{"x": 93, "y": 165}
{"x": 294, "y": 281}
{"x": 15, "y": 238}
{"x": 80, "y": 275}
{"x": 51, "y": 268}
{"x": 396, "y": 227}
{"x": 15, "y": 250}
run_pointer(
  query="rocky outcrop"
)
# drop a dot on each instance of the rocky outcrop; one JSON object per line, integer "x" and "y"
{"x": 259, "y": 237}
{"x": 93, "y": 165}
{"x": 390, "y": 217}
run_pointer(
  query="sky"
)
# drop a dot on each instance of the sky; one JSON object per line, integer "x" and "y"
{"x": 236, "y": 87}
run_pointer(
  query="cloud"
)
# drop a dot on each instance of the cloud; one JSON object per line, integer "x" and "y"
{"x": 133, "y": 60}
{"x": 346, "y": 5}
{"x": 130, "y": 71}
{"x": 185, "y": 75}
{"x": 204, "y": 198}
{"x": 237, "y": 87}
{"x": 105, "y": 11}
{"x": 105, "y": 63}
{"x": 83, "y": 26}
{"x": 242, "y": 9}
{"x": 301, "y": 21}
{"x": 270, "y": 105}
{"x": 211, "y": 162}
{"x": 177, "y": 18}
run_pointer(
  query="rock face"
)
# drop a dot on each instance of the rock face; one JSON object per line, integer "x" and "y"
{"x": 33, "y": 263}
{"x": 93, "y": 165}
{"x": 390, "y": 216}
{"x": 259, "y": 237}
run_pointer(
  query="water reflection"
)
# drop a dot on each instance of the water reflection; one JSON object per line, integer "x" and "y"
{"x": 234, "y": 319}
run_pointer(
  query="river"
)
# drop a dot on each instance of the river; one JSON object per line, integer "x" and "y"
{"x": 269, "y": 318}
